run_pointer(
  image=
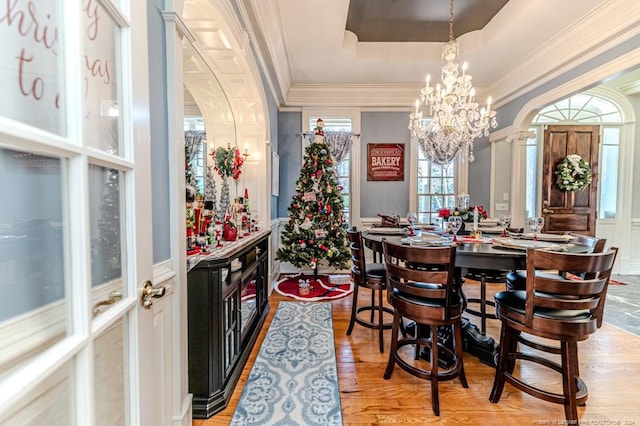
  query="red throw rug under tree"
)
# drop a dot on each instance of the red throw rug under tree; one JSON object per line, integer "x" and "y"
{"x": 313, "y": 289}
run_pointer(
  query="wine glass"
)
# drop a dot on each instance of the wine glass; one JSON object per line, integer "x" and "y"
{"x": 412, "y": 218}
{"x": 455, "y": 223}
{"x": 536, "y": 224}
{"x": 505, "y": 221}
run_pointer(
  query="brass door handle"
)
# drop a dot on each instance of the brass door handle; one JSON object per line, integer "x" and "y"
{"x": 148, "y": 292}
{"x": 547, "y": 211}
{"x": 114, "y": 296}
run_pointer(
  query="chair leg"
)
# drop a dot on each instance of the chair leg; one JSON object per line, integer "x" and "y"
{"x": 380, "y": 321}
{"x": 483, "y": 305}
{"x": 503, "y": 362}
{"x": 394, "y": 346}
{"x": 569, "y": 383}
{"x": 435, "y": 400}
{"x": 354, "y": 308}
{"x": 373, "y": 305}
{"x": 457, "y": 342}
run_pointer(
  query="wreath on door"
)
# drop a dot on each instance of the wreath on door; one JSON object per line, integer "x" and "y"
{"x": 573, "y": 174}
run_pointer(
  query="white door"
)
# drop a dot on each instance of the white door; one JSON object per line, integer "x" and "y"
{"x": 75, "y": 233}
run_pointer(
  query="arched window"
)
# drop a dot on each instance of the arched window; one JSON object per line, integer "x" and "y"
{"x": 588, "y": 109}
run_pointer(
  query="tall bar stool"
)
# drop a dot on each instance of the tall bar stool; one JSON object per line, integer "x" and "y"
{"x": 421, "y": 288}
{"x": 373, "y": 277}
{"x": 556, "y": 308}
{"x": 484, "y": 276}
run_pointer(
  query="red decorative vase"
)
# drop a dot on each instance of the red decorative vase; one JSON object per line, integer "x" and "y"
{"x": 229, "y": 233}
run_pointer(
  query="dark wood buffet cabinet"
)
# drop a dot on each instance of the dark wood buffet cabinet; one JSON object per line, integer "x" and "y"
{"x": 227, "y": 306}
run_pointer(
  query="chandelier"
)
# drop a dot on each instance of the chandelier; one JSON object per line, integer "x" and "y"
{"x": 457, "y": 118}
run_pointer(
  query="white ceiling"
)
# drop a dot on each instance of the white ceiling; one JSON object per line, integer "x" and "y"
{"x": 313, "y": 60}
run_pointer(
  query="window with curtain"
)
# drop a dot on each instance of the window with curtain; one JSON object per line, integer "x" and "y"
{"x": 343, "y": 159}
{"x": 587, "y": 109}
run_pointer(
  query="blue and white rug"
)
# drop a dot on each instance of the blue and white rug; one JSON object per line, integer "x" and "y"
{"x": 294, "y": 380}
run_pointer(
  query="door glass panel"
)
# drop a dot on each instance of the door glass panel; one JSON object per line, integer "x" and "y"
{"x": 106, "y": 242}
{"x": 31, "y": 70}
{"x": 101, "y": 64}
{"x": 109, "y": 363}
{"x": 31, "y": 256}
{"x": 51, "y": 407}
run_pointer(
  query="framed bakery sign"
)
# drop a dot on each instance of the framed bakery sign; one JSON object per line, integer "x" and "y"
{"x": 385, "y": 161}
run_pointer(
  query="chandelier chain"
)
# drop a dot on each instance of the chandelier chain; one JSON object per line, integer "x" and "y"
{"x": 450, "y": 20}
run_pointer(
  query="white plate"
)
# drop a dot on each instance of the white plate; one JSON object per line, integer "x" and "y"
{"x": 387, "y": 231}
{"x": 524, "y": 244}
{"x": 549, "y": 237}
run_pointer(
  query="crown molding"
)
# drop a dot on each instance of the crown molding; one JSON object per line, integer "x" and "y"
{"x": 262, "y": 18}
{"x": 616, "y": 23}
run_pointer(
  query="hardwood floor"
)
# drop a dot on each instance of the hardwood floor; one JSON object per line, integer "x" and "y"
{"x": 609, "y": 364}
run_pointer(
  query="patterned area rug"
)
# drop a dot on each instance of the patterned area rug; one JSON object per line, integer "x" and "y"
{"x": 324, "y": 287}
{"x": 294, "y": 380}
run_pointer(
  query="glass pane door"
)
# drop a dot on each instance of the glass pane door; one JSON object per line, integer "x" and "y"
{"x": 72, "y": 332}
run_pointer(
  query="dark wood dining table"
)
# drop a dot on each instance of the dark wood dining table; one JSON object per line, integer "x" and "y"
{"x": 472, "y": 255}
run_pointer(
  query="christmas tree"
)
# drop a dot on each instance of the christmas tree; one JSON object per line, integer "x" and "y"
{"x": 316, "y": 229}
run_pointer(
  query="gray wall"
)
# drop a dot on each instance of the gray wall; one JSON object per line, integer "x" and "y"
{"x": 290, "y": 151}
{"x": 480, "y": 174}
{"x": 384, "y": 197}
{"x": 158, "y": 117}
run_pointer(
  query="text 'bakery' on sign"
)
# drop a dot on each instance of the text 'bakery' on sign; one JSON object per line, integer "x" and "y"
{"x": 385, "y": 161}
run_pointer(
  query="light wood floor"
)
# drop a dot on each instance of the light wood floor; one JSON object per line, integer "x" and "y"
{"x": 609, "y": 364}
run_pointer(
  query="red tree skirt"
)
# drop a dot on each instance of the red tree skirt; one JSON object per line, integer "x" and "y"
{"x": 321, "y": 288}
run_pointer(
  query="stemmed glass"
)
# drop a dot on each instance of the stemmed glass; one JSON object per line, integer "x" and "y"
{"x": 536, "y": 224}
{"x": 505, "y": 221}
{"x": 412, "y": 218}
{"x": 455, "y": 223}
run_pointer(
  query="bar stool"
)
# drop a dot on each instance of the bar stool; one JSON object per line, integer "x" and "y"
{"x": 484, "y": 276}
{"x": 373, "y": 277}
{"x": 552, "y": 307}
{"x": 427, "y": 294}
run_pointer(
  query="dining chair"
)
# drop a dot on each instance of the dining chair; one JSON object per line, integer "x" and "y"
{"x": 556, "y": 308}
{"x": 421, "y": 288}
{"x": 370, "y": 276}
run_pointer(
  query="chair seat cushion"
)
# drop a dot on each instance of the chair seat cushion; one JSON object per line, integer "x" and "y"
{"x": 490, "y": 275}
{"x": 517, "y": 280}
{"x": 515, "y": 300}
{"x": 376, "y": 270}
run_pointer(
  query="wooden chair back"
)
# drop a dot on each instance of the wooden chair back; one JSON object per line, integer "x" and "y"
{"x": 425, "y": 273}
{"x": 555, "y": 292}
{"x": 595, "y": 244}
{"x": 356, "y": 248}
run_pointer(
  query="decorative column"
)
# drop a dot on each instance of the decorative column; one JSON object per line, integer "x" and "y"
{"x": 517, "y": 196}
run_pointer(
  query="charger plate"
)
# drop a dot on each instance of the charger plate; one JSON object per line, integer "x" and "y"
{"x": 549, "y": 237}
{"x": 525, "y": 244}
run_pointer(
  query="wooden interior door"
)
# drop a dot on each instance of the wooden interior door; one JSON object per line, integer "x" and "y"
{"x": 569, "y": 211}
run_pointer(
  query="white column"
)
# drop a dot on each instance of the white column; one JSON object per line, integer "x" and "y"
{"x": 518, "y": 188}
